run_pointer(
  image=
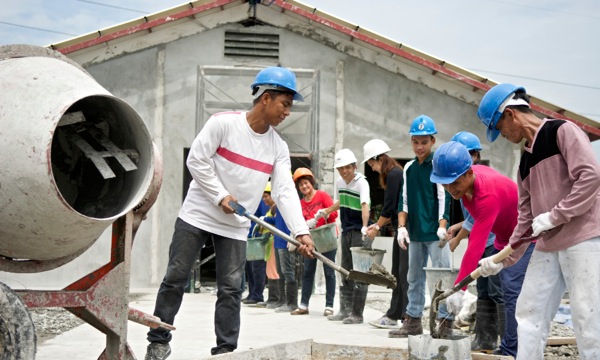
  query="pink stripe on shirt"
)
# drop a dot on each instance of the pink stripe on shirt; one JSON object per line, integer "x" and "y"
{"x": 245, "y": 161}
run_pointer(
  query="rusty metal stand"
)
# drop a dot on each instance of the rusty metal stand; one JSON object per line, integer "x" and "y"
{"x": 101, "y": 298}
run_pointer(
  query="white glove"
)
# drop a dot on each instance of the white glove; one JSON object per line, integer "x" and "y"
{"x": 403, "y": 238}
{"x": 321, "y": 213}
{"x": 488, "y": 268}
{"x": 441, "y": 233}
{"x": 363, "y": 230}
{"x": 541, "y": 223}
{"x": 291, "y": 247}
{"x": 454, "y": 302}
{"x": 311, "y": 223}
{"x": 262, "y": 218}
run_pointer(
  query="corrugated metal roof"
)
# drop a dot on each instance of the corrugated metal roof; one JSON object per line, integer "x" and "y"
{"x": 436, "y": 66}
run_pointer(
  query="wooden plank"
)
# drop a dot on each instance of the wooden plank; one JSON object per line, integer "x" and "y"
{"x": 558, "y": 341}
{"x": 481, "y": 356}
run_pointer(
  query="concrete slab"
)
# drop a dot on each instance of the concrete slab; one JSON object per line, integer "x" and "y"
{"x": 260, "y": 328}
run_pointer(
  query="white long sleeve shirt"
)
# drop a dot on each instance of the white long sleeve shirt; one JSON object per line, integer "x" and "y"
{"x": 229, "y": 158}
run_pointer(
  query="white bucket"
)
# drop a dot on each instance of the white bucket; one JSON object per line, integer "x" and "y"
{"x": 425, "y": 347}
{"x": 447, "y": 275}
{"x": 362, "y": 259}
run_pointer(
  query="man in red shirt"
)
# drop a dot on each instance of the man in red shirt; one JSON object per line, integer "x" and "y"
{"x": 492, "y": 199}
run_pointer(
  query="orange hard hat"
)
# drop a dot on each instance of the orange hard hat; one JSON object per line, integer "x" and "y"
{"x": 301, "y": 172}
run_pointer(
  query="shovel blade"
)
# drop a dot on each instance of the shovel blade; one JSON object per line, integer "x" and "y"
{"x": 373, "y": 279}
{"x": 433, "y": 309}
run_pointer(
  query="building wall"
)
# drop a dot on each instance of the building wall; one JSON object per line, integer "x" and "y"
{"x": 358, "y": 101}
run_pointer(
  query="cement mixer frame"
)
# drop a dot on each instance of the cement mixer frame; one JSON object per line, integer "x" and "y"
{"x": 46, "y": 191}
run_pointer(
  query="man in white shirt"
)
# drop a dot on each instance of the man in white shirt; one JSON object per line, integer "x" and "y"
{"x": 231, "y": 159}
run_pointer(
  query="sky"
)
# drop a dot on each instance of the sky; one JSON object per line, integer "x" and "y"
{"x": 551, "y": 47}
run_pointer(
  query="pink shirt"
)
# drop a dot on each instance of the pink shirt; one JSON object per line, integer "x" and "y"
{"x": 494, "y": 207}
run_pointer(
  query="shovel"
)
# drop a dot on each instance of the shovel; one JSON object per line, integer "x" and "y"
{"x": 439, "y": 294}
{"x": 368, "y": 278}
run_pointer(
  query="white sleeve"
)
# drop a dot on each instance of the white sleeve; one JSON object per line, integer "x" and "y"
{"x": 200, "y": 163}
{"x": 285, "y": 195}
{"x": 441, "y": 196}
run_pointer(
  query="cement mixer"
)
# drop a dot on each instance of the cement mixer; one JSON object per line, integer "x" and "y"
{"x": 75, "y": 160}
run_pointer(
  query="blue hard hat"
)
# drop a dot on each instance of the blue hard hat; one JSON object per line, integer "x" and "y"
{"x": 450, "y": 161}
{"x": 469, "y": 140}
{"x": 489, "y": 108}
{"x": 422, "y": 125}
{"x": 278, "y": 77}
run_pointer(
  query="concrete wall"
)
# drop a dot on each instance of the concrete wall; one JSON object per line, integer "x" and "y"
{"x": 358, "y": 100}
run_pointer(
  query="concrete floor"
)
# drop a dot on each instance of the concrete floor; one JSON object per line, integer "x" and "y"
{"x": 260, "y": 328}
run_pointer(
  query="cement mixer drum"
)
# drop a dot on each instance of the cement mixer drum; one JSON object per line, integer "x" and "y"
{"x": 74, "y": 157}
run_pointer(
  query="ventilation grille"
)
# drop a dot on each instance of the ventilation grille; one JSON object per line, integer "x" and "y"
{"x": 251, "y": 44}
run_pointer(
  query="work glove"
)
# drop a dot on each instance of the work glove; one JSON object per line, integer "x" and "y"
{"x": 454, "y": 302}
{"x": 488, "y": 268}
{"x": 291, "y": 247}
{"x": 541, "y": 223}
{"x": 311, "y": 223}
{"x": 364, "y": 230}
{"x": 441, "y": 233}
{"x": 321, "y": 213}
{"x": 403, "y": 238}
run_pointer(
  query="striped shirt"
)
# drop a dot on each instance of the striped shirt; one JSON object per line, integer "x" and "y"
{"x": 351, "y": 197}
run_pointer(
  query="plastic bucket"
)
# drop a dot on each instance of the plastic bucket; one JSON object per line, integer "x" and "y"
{"x": 255, "y": 248}
{"x": 447, "y": 275}
{"x": 325, "y": 237}
{"x": 362, "y": 259}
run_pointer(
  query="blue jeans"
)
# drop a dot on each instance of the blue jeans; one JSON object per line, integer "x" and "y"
{"x": 308, "y": 279}
{"x": 230, "y": 260}
{"x": 418, "y": 252}
{"x": 287, "y": 262}
{"x": 257, "y": 279}
{"x": 512, "y": 280}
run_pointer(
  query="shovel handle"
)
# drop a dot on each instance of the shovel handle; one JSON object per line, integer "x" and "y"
{"x": 240, "y": 210}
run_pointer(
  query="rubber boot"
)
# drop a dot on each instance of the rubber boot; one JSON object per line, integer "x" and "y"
{"x": 281, "y": 297}
{"x": 291, "y": 295}
{"x": 345, "y": 304}
{"x": 410, "y": 326}
{"x": 273, "y": 286}
{"x": 359, "y": 299}
{"x": 501, "y": 326}
{"x": 486, "y": 326}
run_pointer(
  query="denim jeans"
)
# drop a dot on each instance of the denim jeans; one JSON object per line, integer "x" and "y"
{"x": 418, "y": 252}
{"x": 287, "y": 261}
{"x": 512, "y": 280}
{"x": 257, "y": 279}
{"x": 490, "y": 288}
{"x": 230, "y": 259}
{"x": 308, "y": 279}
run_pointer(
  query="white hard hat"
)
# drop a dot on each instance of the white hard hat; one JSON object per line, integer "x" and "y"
{"x": 373, "y": 148}
{"x": 344, "y": 157}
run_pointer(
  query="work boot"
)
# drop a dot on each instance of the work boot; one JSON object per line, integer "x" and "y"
{"x": 157, "y": 351}
{"x": 359, "y": 300}
{"x": 291, "y": 295}
{"x": 281, "y": 297}
{"x": 410, "y": 326}
{"x": 445, "y": 328}
{"x": 486, "y": 326}
{"x": 345, "y": 304}
{"x": 273, "y": 286}
{"x": 500, "y": 312}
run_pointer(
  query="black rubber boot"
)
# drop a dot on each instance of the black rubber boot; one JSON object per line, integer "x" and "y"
{"x": 273, "y": 286}
{"x": 486, "y": 326}
{"x": 345, "y": 304}
{"x": 291, "y": 296}
{"x": 359, "y": 299}
{"x": 501, "y": 319}
{"x": 281, "y": 297}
